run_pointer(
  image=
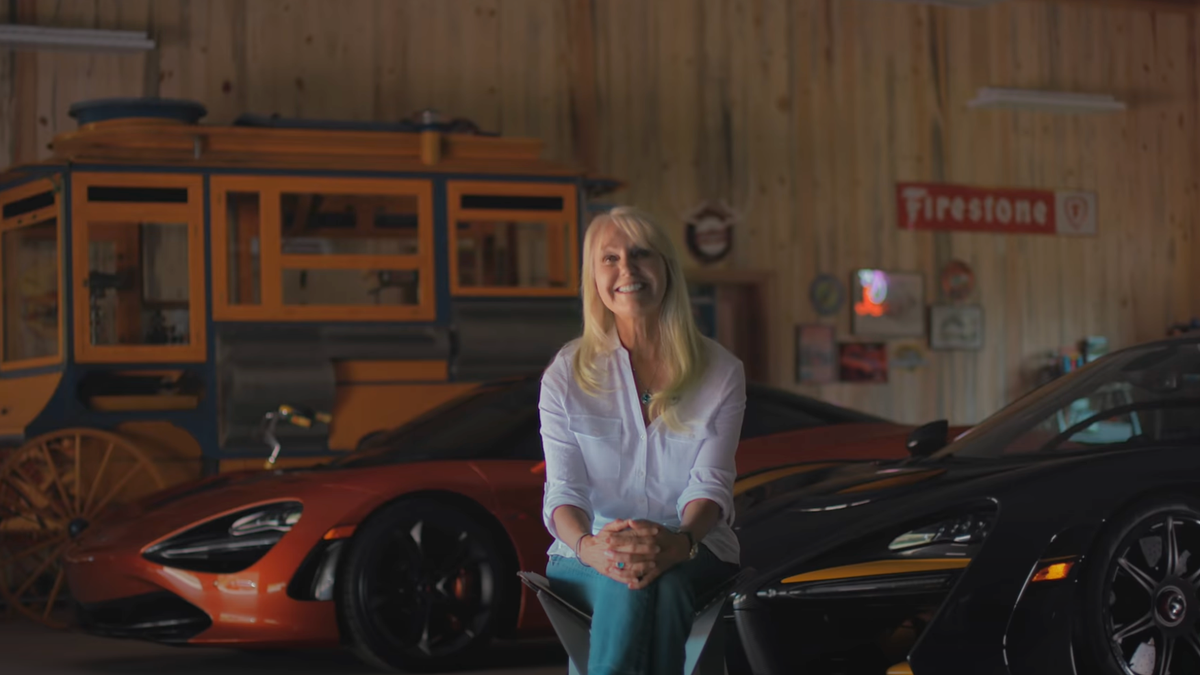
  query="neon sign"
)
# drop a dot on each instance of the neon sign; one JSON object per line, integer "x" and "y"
{"x": 874, "y": 285}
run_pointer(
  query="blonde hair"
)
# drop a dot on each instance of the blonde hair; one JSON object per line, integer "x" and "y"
{"x": 681, "y": 346}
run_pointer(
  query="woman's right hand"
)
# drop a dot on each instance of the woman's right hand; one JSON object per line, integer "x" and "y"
{"x": 593, "y": 550}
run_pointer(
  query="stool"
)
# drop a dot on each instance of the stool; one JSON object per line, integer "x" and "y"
{"x": 705, "y": 653}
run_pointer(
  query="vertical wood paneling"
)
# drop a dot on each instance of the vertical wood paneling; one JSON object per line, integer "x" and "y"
{"x": 800, "y": 113}
{"x": 7, "y": 99}
{"x": 64, "y": 77}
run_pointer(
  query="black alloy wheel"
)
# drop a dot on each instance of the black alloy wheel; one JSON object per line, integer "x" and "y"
{"x": 423, "y": 588}
{"x": 1141, "y": 611}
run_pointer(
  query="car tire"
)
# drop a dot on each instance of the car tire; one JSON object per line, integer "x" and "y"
{"x": 1129, "y": 591}
{"x": 423, "y": 587}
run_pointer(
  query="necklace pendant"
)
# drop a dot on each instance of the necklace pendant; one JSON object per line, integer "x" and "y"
{"x": 646, "y": 397}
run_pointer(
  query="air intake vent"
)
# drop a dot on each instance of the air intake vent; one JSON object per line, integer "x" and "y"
{"x": 28, "y": 204}
{"x": 511, "y": 203}
{"x": 137, "y": 195}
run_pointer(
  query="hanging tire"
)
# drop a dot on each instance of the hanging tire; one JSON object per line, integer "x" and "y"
{"x": 1140, "y": 606}
{"x": 422, "y": 588}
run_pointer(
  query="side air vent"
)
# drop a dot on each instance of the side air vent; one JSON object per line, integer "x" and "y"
{"x": 511, "y": 203}
{"x": 28, "y": 204}
{"x": 138, "y": 195}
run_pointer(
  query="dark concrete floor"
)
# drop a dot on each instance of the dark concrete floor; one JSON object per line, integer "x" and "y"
{"x": 26, "y": 648}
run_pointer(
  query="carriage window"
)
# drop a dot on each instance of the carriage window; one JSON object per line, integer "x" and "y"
{"x": 354, "y": 287}
{"x": 242, "y": 243}
{"x": 512, "y": 239}
{"x": 30, "y": 299}
{"x": 355, "y": 224}
{"x": 511, "y": 254}
{"x": 138, "y": 283}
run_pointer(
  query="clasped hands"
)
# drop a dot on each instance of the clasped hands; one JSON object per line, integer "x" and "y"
{"x": 633, "y": 552}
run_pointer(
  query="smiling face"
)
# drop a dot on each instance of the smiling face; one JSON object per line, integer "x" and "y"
{"x": 630, "y": 278}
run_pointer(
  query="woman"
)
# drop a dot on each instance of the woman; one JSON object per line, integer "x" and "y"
{"x": 640, "y": 421}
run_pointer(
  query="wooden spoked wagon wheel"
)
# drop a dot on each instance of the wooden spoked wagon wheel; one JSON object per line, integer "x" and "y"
{"x": 45, "y": 485}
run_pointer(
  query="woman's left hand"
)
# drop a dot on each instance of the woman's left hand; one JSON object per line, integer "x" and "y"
{"x": 647, "y": 549}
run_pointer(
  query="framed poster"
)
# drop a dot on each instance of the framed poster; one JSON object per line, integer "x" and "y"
{"x": 816, "y": 354}
{"x": 888, "y": 304}
{"x": 956, "y": 327}
{"x": 908, "y": 357}
{"x": 864, "y": 362}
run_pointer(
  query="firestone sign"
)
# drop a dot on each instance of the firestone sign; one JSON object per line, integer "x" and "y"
{"x": 939, "y": 206}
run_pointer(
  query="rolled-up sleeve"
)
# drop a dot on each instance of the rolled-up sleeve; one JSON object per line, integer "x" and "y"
{"x": 566, "y": 472}
{"x": 715, "y": 469}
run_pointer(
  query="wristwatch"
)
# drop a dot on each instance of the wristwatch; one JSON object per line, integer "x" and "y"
{"x": 693, "y": 545}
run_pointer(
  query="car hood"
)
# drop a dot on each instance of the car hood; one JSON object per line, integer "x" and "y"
{"x": 852, "y": 441}
{"x": 182, "y": 506}
{"x": 822, "y": 506}
{"x": 831, "y": 486}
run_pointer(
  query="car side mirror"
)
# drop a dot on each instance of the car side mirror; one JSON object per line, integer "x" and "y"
{"x": 928, "y": 438}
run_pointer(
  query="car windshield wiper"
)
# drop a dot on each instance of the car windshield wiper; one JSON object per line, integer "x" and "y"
{"x": 1070, "y": 431}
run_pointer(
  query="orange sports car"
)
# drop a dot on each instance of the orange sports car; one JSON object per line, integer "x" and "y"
{"x": 406, "y": 550}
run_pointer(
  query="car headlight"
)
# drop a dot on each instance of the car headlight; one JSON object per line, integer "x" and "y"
{"x": 230, "y": 543}
{"x": 967, "y": 529}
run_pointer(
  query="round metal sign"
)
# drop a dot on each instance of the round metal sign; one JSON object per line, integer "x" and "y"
{"x": 827, "y": 294}
{"x": 709, "y": 232}
{"x": 958, "y": 281}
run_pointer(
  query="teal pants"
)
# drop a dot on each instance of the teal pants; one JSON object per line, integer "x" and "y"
{"x": 638, "y": 632}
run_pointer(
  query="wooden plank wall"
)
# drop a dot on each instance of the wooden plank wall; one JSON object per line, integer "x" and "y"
{"x": 803, "y": 113}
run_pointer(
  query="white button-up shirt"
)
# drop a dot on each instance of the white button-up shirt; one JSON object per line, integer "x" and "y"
{"x": 603, "y": 459}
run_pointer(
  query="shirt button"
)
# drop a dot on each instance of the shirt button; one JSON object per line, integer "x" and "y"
{"x": 642, "y": 435}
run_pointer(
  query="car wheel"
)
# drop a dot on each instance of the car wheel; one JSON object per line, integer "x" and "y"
{"x": 422, "y": 588}
{"x": 1140, "y": 609}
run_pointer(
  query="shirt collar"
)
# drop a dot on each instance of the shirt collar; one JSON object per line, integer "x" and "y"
{"x": 612, "y": 341}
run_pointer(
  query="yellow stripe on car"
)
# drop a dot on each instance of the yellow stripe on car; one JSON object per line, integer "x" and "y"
{"x": 755, "y": 480}
{"x": 893, "y": 481}
{"x": 880, "y": 568}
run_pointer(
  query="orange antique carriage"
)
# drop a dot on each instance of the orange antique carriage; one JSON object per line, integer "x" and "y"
{"x": 165, "y": 284}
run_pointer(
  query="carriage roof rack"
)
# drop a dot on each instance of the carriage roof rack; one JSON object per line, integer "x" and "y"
{"x": 425, "y": 120}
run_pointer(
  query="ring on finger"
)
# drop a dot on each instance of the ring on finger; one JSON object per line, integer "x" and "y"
{"x": 620, "y": 565}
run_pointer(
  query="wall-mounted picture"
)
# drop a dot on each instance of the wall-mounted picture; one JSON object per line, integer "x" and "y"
{"x": 956, "y": 327}
{"x": 908, "y": 357}
{"x": 816, "y": 354}
{"x": 887, "y": 304}
{"x": 863, "y": 362}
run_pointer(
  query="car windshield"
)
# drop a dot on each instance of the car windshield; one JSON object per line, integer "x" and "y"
{"x": 474, "y": 425}
{"x": 1148, "y": 394}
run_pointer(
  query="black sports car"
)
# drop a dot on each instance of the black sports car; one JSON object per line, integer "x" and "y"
{"x": 1061, "y": 535}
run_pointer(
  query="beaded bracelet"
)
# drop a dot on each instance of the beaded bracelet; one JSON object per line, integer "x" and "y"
{"x": 577, "y": 543}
